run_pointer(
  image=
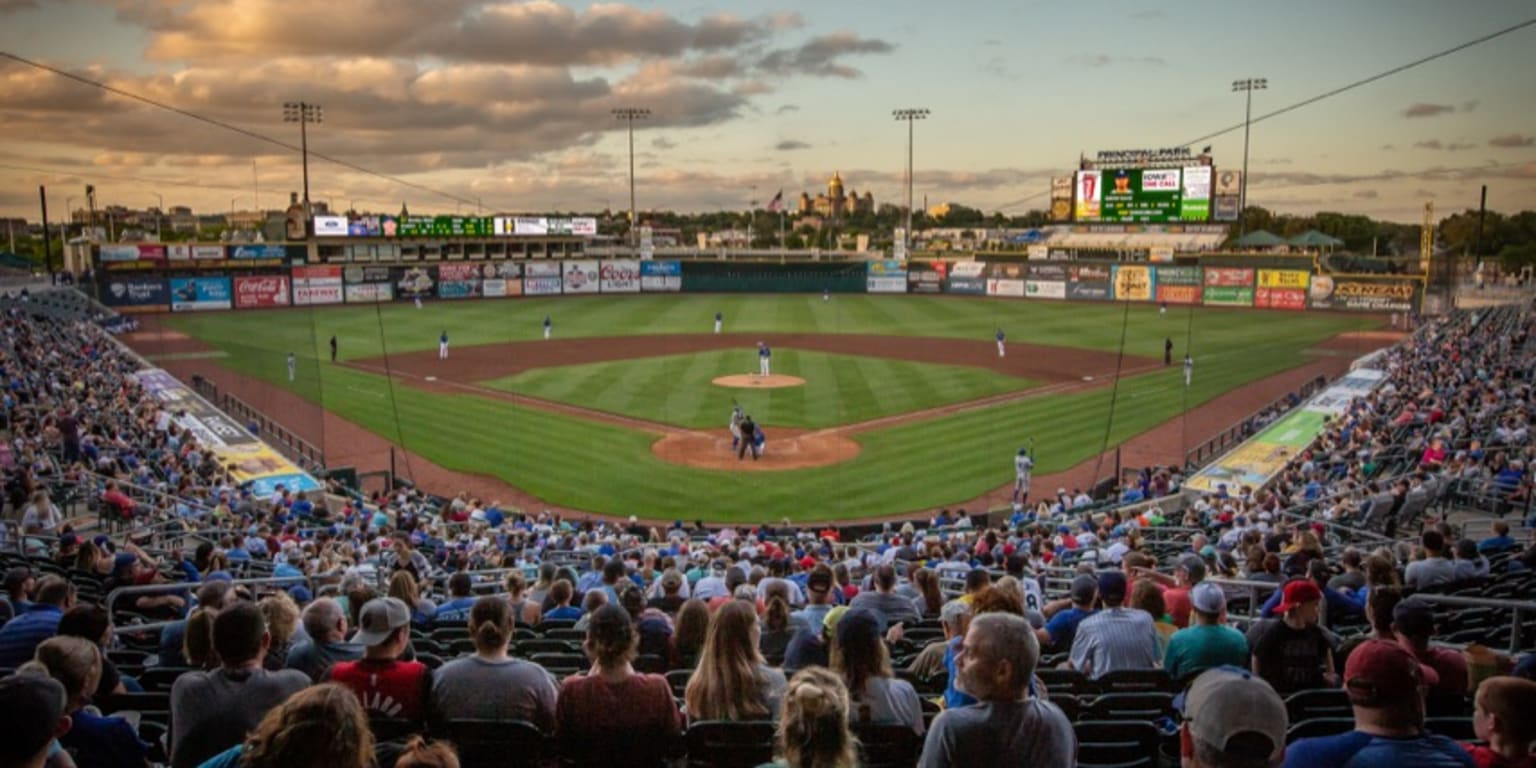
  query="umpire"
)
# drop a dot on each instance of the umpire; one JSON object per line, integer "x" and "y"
{"x": 748, "y": 439}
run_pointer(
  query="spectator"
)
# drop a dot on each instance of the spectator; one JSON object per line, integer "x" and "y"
{"x": 818, "y": 591}
{"x": 419, "y": 753}
{"x": 197, "y": 649}
{"x": 1116, "y": 637}
{"x": 1434, "y": 569}
{"x": 91, "y": 622}
{"x": 1499, "y": 541}
{"x": 776, "y": 630}
{"x": 20, "y": 584}
{"x": 402, "y": 587}
{"x": 525, "y": 610}
{"x": 813, "y": 728}
{"x": 1293, "y": 653}
{"x": 862, "y": 660}
{"x": 1232, "y": 720}
{"x": 403, "y": 556}
{"x": 1064, "y": 616}
{"x": 612, "y": 716}
{"x": 319, "y": 727}
{"x": 325, "y": 627}
{"x": 212, "y": 711}
{"x": 1470, "y": 563}
{"x": 282, "y": 616}
{"x": 388, "y": 686}
{"x": 212, "y": 595}
{"x": 33, "y": 708}
{"x": 688, "y": 633}
{"x": 93, "y": 740}
{"x": 1353, "y": 576}
{"x": 460, "y": 600}
{"x": 490, "y": 685}
{"x": 731, "y": 681}
{"x": 1414, "y": 622}
{"x": 1008, "y": 727}
{"x": 1148, "y": 598}
{"x": 20, "y": 636}
{"x": 891, "y": 607}
{"x": 1189, "y": 572}
{"x": 1208, "y": 642}
{"x": 1385, "y": 689}
{"x": 560, "y": 593}
{"x": 1503, "y": 721}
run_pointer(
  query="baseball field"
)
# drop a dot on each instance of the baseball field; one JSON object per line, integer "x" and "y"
{"x": 905, "y": 404}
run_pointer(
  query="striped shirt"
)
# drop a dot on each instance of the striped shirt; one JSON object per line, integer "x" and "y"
{"x": 1114, "y": 639}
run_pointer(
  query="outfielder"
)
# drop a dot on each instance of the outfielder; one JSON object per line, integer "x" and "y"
{"x": 1189, "y": 369}
{"x": 442, "y": 346}
{"x": 719, "y": 318}
{"x": 293, "y": 367}
{"x": 1001, "y": 337}
{"x": 1023, "y": 466}
{"x": 549, "y": 327}
{"x": 736, "y": 416}
{"x": 418, "y": 301}
{"x": 763, "y": 356}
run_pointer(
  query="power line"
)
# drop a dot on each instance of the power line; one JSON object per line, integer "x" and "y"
{"x": 116, "y": 177}
{"x": 231, "y": 127}
{"x": 1328, "y": 94}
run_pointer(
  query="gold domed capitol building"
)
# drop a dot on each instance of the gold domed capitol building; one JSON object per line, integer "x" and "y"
{"x": 835, "y": 203}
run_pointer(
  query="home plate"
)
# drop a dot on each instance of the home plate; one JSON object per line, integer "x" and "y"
{"x": 431, "y": 378}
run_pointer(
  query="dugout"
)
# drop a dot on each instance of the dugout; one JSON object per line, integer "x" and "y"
{"x": 793, "y": 277}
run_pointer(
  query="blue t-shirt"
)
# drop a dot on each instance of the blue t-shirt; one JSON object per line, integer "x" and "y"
{"x": 103, "y": 741}
{"x": 456, "y": 610}
{"x": 954, "y": 697}
{"x": 1063, "y": 626}
{"x": 229, "y": 758}
{"x": 1362, "y": 750}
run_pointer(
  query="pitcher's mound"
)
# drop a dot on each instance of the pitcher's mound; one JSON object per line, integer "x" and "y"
{"x": 752, "y": 380}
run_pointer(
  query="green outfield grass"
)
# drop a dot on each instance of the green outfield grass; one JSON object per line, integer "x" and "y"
{"x": 839, "y": 389}
{"x": 611, "y": 470}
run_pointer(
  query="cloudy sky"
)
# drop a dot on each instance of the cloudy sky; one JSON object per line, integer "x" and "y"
{"x": 509, "y": 102}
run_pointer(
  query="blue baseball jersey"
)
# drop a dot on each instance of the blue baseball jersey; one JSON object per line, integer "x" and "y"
{"x": 1000, "y": 335}
{"x": 443, "y": 339}
{"x": 763, "y": 351}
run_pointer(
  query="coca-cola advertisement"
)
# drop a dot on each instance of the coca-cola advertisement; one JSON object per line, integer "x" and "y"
{"x": 261, "y": 291}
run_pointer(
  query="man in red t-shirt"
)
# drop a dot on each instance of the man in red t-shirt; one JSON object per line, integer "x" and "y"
{"x": 386, "y": 686}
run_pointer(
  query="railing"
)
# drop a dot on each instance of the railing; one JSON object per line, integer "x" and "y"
{"x": 172, "y": 588}
{"x": 1206, "y": 452}
{"x": 275, "y": 434}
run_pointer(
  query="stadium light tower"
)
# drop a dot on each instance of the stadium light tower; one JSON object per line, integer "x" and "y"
{"x": 1248, "y": 86}
{"x": 304, "y": 113}
{"x": 630, "y": 115}
{"x": 910, "y": 116}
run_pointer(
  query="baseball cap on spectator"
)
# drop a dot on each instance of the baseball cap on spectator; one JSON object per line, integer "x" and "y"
{"x": 31, "y": 705}
{"x": 103, "y": 541}
{"x": 1297, "y": 593}
{"x": 1414, "y": 618}
{"x": 819, "y": 580}
{"x": 1194, "y": 566}
{"x": 69, "y": 540}
{"x": 1380, "y": 671}
{"x": 123, "y": 561}
{"x": 859, "y": 626}
{"x": 671, "y": 580}
{"x": 1084, "y": 588}
{"x": 300, "y": 594}
{"x": 380, "y": 617}
{"x": 1112, "y": 586}
{"x": 1235, "y": 712}
{"x": 1206, "y": 597}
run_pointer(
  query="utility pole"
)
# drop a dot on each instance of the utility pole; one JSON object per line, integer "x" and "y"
{"x": 304, "y": 113}
{"x": 909, "y": 115}
{"x": 1247, "y": 86}
{"x": 42, "y": 195}
{"x": 630, "y": 115}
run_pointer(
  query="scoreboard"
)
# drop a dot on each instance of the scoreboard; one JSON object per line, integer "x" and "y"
{"x": 1142, "y": 195}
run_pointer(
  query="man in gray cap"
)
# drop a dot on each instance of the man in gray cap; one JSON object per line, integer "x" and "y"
{"x": 1208, "y": 642}
{"x": 1232, "y": 719}
{"x": 387, "y": 686}
{"x": 1064, "y": 615}
{"x": 32, "y": 708}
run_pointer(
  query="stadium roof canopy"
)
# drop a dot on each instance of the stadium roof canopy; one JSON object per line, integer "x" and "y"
{"x": 1315, "y": 239}
{"x": 1259, "y": 239}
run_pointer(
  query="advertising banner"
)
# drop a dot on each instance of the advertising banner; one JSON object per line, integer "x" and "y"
{"x": 414, "y": 282}
{"x": 581, "y": 276}
{"x": 1228, "y": 287}
{"x": 1089, "y": 282}
{"x": 965, "y": 277}
{"x": 530, "y": 225}
{"x": 130, "y": 292}
{"x": 268, "y": 252}
{"x": 661, "y": 276}
{"x": 1002, "y": 286}
{"x": 584, "y": 226}
{"x": 886, "y": 276}
{"x": 1284, "y": 278}
{"x": 1134, "y": 282}
{"x": 369, "y": 293}
{"x": 317, "y": 285}
{"x": 1178, "y": 294}
{"x": 926, "y": 277}
{"x": 1281, "y": 289}
{"x": 620, "y": 276}
{"x": 261, "y": 291}
{"x": 458, "y": 272}
{"x": 1362, "y": 294}
{"x": 1178, "y": 276}
{"x": 330, "y": 226}
{"x": 541, "y": 286}
{"x": 1334, "y": 400}
{"x": 185, "y": 252}
{"x": 367, "y": 274}
{"x": 541, "y": 269}
{"x": 1056, "y": 272}
{"x": 190, "y": 294}
{"x": 502, "y": 269}
{"x": 1045, "y": 289}
{"x": 118, "y": 253}
{"x": 373, "y": 226}
{"x": 498, "y": 287}
{"x": 459, "y": 289}
{"x": 1261, "y": 457}
{"x": 1195, "y": 204}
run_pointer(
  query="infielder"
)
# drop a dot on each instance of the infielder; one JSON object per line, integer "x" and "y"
{"x": 333, "y": 348}
{"x": 763, "y": 356}
{"x": 293, "y": 367}
{"x": 1023, "y": 466}
{"x": 549, "y": 327}
{"x": 736, "y": 416}
{"x": 1001, "y": 337}
{"x": 719, "y": 318}
{"x": 1189, "y": 369}
{"x": 442, "y": 346}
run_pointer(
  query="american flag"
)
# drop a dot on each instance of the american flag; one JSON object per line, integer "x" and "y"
{"x": 777, "y": 203}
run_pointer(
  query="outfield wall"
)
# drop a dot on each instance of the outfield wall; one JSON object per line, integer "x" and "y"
{"x": 259, "y": 277}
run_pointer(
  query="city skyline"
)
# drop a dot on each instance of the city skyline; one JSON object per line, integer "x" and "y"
{"x": 508, "y": 104}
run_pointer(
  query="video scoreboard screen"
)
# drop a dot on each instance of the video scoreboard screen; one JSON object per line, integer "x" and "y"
{"x": 1143, "y": 195}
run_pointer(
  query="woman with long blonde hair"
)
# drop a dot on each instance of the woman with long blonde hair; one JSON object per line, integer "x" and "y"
{"x": 813, "y": 728}
{"x": 319, "y": 727}
{"x": 109, "y": 742}
{"x": 731, "y": 681}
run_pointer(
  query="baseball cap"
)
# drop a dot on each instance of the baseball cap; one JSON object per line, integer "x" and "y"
{"x": 858, "y": 627}
{"x": 1232, "y": 710}
{"x": 1112, "y": 585}
{"x": 69, "y": 540}
{"x": 671, "y": 580}
{"x": 1207, "y": 598}
{"x": 1380, "y": 670}
{"x": 1194, "y": 566}
{"x": 1296, "y": 593}
{"x": 379, "y": 617}
{"x": 32, "y": 704}
{"x": 819, "y": 580}
{"x": 1414, "y": 618}
{"x": 1084, "y": 588}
